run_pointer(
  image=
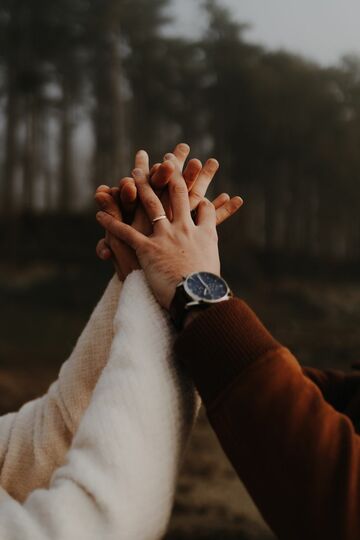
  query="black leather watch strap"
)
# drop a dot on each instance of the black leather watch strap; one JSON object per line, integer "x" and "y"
{"x": 178, "y": 307}
{"x": 184, "y": 302}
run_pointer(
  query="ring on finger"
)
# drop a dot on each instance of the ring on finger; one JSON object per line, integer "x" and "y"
{"x": 159, "y": 218}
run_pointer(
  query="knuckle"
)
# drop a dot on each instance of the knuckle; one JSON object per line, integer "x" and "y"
{"x": 206, "y": 171}
{"x": 208, "y": 205}
{"x": 151, "y": 204}
{"x": 186, "y": 227}
{"x": 104, "y": 219}
{"x": 179, "y": 188}
{"x": 110, "y": 221}
{"x": 196, "y": 195}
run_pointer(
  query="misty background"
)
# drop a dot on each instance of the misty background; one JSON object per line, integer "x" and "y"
{"x": 85, "y": 84}
{"x": 271, "y": 88}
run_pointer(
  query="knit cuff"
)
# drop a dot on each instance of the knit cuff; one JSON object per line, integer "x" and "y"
{"x": 219, "y": 343}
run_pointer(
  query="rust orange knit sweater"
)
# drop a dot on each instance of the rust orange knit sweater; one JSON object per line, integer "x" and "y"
{"x": 289, "y": 433}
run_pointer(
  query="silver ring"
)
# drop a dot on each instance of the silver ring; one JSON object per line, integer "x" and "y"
{"x": 159, "y": 218}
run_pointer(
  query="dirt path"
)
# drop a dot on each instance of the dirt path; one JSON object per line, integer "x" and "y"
{"x": 211, "y": 503}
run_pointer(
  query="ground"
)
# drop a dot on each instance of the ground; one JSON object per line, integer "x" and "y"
{"x": 44, "y": 307}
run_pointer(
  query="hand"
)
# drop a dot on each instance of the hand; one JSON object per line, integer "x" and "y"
{"x": 123, "y": 257}
{"x": 125, "y": 197}
{"x": 174, "y": 249}
{"x": 197, "y": 178}
{"x": 113, "y": 200}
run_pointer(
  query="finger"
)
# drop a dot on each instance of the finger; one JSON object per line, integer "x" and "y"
{"x": 153, "y": 169}
{"x": 228, "y": 209}
{"x": 220, "y": 200}
{"x": 179, "y": 199}
{"x": 121, "y": 231}
{"x": 191, "y": 173}
{"x": 128, "y": 194}
{"x": 103, "y": 251}
{"x": 150, "y": 201}
{"x": 165, "y": 201}
{"x": 171, "y": 157}
{"x": 206, "y": 214}
{"x": 203, "y": 181}
{"x": 103, "y": 188}
{"x": 142, "y": 161}
{"x": 107, "y": 203}
{"x": 181, "y": 152}
{"x": 115, "y": 192}
{"x": 163, "y": 174}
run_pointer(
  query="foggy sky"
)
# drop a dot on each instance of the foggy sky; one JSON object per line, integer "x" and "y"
{"x": 322, "y": 30}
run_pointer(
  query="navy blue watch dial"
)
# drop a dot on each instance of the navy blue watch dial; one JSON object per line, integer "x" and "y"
{"x": 206, "y": 287}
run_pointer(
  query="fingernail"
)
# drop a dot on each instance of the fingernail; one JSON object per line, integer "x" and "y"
{"x": 99, "y": 216}
{"x": 213, "y": 163}
{"x": 184, "y": 146}
{"x": 168, "y": 156}
{"x": 104, "y": 253}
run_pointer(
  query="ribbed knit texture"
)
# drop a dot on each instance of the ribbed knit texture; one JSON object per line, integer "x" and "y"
{"x": 297, "y": 456}
{"x": 34, "y": 441}
{"x": 119, "y": 476}
{"x": 209, "y": 330}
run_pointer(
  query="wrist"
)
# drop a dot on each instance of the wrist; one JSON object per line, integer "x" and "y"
{"x": 169, "y": 294}
{"x": 195, "y": 293}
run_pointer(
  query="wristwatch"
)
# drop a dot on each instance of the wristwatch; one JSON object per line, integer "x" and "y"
{"x": 198, "y": 290}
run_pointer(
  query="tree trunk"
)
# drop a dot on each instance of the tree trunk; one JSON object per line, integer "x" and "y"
{"x": 30, "y": 155}
{"x": 7, "y": 188}
{"x": 66, "y": 158}
{"x": 111, "y": 149}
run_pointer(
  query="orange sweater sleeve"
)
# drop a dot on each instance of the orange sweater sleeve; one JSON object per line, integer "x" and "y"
{"x": 298, "y": 457}
{"x": 341, "y": 390}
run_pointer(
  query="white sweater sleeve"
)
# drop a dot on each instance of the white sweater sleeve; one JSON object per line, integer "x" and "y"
{"x": 119, "y": 478}
{"x": 34, "y": 441}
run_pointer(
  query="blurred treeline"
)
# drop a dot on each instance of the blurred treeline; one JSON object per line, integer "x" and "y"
{"x": 84, "y": 83}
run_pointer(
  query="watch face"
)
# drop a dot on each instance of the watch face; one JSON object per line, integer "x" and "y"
{"x": 206, "y": 287}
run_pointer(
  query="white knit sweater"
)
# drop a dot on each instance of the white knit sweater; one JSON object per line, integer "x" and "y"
{"x": 117, "y": 480}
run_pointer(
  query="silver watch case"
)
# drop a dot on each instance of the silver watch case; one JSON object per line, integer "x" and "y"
{"x": 195, "y": 300}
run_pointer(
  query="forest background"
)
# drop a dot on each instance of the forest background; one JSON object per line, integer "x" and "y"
{"x": 86, "y": 83}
